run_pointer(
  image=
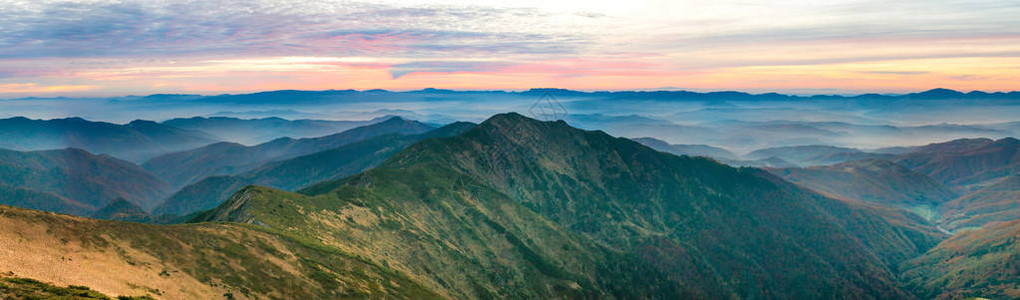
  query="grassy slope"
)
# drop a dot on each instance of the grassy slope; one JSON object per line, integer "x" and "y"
{"x": 18, "y": 288}
{"x": 727, "y": 221}
{"x": 978, "y": 263}
{"x": 186, "y": 261}
{"x": 457, "y": 237}
{"x": 717, "y": 231}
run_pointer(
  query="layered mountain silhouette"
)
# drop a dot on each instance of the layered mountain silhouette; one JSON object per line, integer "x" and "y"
{"x": 136, "y": 141}
{"x": 82, "y": 181}
{"x": 690, "y": 150}
{"x": 256, "y": 131}
{"x": 299, "y": 172}
{"x": 814, "y": 155}
{"x": 226, "y": 158}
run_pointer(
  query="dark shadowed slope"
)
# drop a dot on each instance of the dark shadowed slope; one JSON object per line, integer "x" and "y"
{"x": 966, "y": 164}
{"x": 560, "y": 200}
{"x": 91, "y": 180}
{"x": 29, "y": 198}
{"x": 876, "y": 181}
{"x": 122, "y": 210}
{"x": 690, "y": 150}
{"x": 186, "y": 167}
{"x": 979, "y": 263}
{"x": 999, "y": 202}
{"x": 194, "y": 261}
{"x": 12, "y": 287}
{"x": 300, "y": 171}
{"x": 256, "y": 131}
{"x": 136, "y": 141}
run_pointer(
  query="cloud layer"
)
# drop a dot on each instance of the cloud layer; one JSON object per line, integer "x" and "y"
{"x": 118, "y": 47}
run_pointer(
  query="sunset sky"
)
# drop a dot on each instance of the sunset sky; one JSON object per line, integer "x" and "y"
{"x": 113, "y": 48}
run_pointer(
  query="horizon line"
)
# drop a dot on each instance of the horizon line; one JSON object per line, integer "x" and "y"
{"x": 547, "y": 89}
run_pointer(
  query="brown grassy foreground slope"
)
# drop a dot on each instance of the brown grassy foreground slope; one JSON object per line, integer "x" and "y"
{"x": 196, "y": 261}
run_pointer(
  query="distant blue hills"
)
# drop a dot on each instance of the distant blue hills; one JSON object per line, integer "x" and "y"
{"x": 292, "y": 96}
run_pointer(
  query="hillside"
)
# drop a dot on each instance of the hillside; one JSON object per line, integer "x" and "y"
{"x": 90, "y": 181}
{"x": 966, "y": 164}
{"x": 516, "y": 208}
{"x": 999, "y": 202}
{"x": 978, "y": 263}
{"x": 299, "y": 172}
{"x": 771, "y": 162}
{"x": 690, "y": 150}
{"x": 812, "y": 155}
{"x": 196, "y": 261}
{"x": 183, "y": 168}
{"x": 18, "y": 288}
{"x": 122, "y": 210}
{"x": 28, "y": 198}
{"x": 136, "y": 141}
{"x": 875, "y": 181}
{"x": 256, "y": 131}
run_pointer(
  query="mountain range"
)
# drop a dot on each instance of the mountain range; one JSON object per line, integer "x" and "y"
{"x": 225, "y": 158}
{"x": 513, "y": 207}
{"x": 689, "y": 219}
{"x": 299, "y": 172}
{"x": 77, "y": 180}
{"x": 966, "y": 164}
{"x": 257, "y": 131}
{"x": 690, "y": 150}
{"x": 814, "y": 155}
{"x": 516, "y": 208}
{"x": 136, "y": 141}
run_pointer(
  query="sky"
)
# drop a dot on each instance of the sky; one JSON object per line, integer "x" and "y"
{"x": 95, "y": 48}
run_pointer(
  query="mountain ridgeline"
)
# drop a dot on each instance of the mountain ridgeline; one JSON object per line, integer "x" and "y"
{"x": 79, "y": 180}
{"x": 516, "y": 207}
{"x": 136, "y": 141}
{"x": 257, "y": 131}
{"x": 226, "y": 158}
{"x": 966, "y": 164}
{"x": 301, "y": 171}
